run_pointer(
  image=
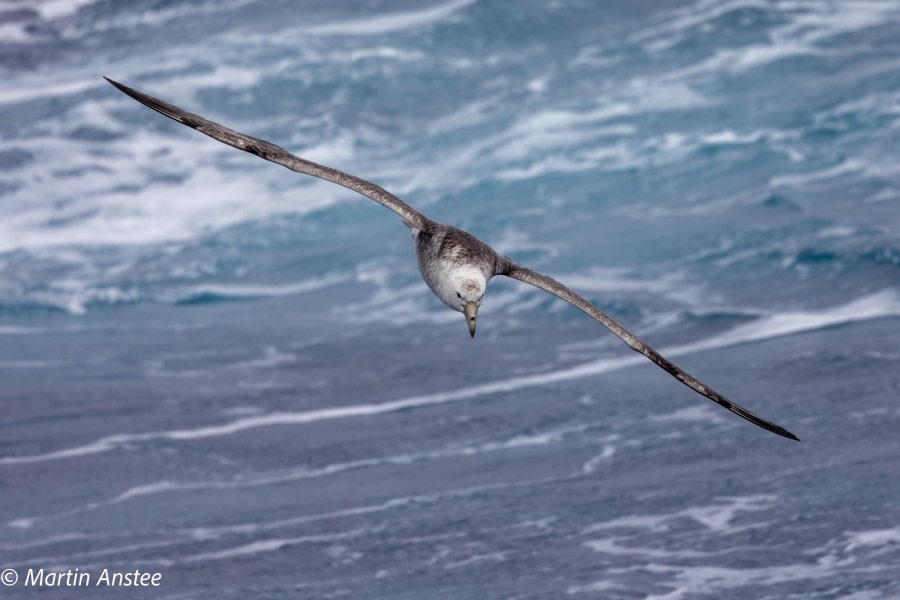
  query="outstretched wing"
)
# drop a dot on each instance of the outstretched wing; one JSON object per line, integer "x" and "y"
{"x": 278, "y": 155}
{"x": 557, "y": 289}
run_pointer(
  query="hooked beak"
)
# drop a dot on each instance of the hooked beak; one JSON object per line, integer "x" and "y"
{"x": 471, "y": 311}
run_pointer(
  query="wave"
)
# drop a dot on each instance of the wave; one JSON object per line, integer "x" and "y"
{"x": 22, "y": 28}
{"x": 804, "y": 29}
{"x": 181, "y": 537}
{"x": 550, "y": 436}
{"x": 75, "y": 297}
{"x": 110, "y": 211}
{"x": 55, "y": 9}
{"x": 204, "y": 293}
{"x": 691, "y": 563}
{"x": 875, "y": 306}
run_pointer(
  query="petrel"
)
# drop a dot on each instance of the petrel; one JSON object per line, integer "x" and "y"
{"x": 455, "y": 264}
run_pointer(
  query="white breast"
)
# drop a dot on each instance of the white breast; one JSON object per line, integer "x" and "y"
{"x": 446, "y": 279}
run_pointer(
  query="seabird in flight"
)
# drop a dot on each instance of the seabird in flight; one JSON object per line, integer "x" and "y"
{"x": 455, "y": 264}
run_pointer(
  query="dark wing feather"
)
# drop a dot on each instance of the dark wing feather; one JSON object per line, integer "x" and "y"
{"x": 278, "y": 155}
{"x": 557, "y": 289}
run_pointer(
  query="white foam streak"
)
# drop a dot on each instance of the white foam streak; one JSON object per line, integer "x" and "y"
{"x": 879, "y": 305}
{"x": 626, "y": 536}
{"x": 715, "y": 517}
{"x": 13, "y": 32}
{"x": 27, "y": 90}
{"x": 699, "y": 412}
{"x": 874, "y": 537}
{"x": 391, "y": 23}
{"x": 670, "y": 285}
{"x": 16, "y": 330}
{"x": 54, "y": 9}
{"x": 237, "y": 291}
{"x": 273, "y": 544}
{"x": 882, "y": 304}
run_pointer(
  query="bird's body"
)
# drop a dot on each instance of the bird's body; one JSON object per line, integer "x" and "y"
{"x": 452, "y": 260}
{"x": 455, "y": 264}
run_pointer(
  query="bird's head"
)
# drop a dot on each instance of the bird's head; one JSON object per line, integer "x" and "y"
{"x": 469, "y": 293}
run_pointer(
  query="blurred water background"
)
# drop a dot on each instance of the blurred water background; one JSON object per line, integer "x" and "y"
{"x": 231, "y": 374}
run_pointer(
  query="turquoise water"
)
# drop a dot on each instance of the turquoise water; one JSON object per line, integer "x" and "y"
{"x": 231, "y": 374}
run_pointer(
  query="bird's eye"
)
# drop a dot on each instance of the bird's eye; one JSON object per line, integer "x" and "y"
{"x": 458, "y": 295}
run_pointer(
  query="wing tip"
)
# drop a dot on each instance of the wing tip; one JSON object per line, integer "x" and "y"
{"x": 785, "y": 433}
{"x": 126, "y": 90}
{"x": 790, "y": 435}
{"x": 160, "y": 106}
{"x": 114, "y": 83}
{"x": 769, "y": 426}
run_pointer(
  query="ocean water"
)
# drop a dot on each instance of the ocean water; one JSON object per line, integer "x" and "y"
{"x": 232, "y": 375}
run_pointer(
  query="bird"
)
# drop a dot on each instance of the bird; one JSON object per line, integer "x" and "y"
{"x": 455, "y": 264}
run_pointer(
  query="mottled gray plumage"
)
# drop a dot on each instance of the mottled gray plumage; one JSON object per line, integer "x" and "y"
{"x": 437, "y": 242}
{"x": 455, "y": 264}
